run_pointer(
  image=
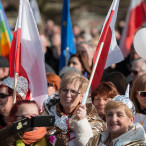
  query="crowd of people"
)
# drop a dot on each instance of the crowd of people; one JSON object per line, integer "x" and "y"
{"x": 115, "y": 112}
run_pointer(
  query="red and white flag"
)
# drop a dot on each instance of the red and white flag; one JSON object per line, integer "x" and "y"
{"x": 111, "y": 52}
{"x": 135, "y": 17}
{"x": 26, "y": 54}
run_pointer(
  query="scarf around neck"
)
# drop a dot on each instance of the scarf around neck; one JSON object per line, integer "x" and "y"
{"x": 34, "y": 136}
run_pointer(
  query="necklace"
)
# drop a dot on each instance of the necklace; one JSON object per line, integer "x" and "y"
{"x": 142, "y": 122}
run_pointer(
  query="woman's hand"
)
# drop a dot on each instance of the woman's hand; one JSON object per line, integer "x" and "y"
{"x": 81, "y": 112}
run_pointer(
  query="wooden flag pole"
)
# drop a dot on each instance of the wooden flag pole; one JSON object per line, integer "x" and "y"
{"x": 92, "y": 74}
{"x": 15, "y": 86}
{"x": 67, "y": 51}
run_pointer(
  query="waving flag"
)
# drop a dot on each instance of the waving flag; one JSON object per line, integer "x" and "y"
{"x": 67, "y": 38}
{"x": 110, "y": 53}
{"x": 36, "y": 11}
{"x": 5, "y": 34}
{"x": 135, "y": 18}
{"x": 26, "y": 54}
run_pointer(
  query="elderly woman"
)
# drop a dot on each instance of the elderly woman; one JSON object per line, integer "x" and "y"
{"x": 20, "y": 110}
{"x": 138, "y": 96}
{"x": 121, "y": 130}
{"x": 70, "y": 115}
{"x": 6, "y": 97}
{"x": 101, "y": 95}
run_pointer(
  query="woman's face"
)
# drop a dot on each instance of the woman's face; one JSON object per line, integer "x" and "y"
{"x": 117, "y": 121}
{"x": 99, "y": 103}
{"x": 26, "y": 110}
{"x": 74, "y": 62}
{"x": 6, "y": 101}
{"x": 51, "y": 90}
{"x": 70, "y": 97}
{"x": 141, "y": 97}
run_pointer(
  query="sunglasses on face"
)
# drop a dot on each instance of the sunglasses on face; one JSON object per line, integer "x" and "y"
{"x": 135, "y": 72}
{"x": 142, "y": 93}
{"x": 3, "y": 95}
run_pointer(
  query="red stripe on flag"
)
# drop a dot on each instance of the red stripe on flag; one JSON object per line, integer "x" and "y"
{"x": 12, "y": 60}
{"x": 106, "y": 37}
{"x": 136, "y": 18}
{"x": 17, "y": 51}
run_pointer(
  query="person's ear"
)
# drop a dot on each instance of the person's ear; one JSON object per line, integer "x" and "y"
{"x": 132, "y": 120}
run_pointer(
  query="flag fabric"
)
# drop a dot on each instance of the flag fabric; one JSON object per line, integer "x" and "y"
{"x": 26, "y": 55}
{"x": 67, "y": 37}
{"x": 5, "y": 34}
{"x": 36, "y": 11}
{"x": 135, "y": 17}
{"x": 111, "y": 52}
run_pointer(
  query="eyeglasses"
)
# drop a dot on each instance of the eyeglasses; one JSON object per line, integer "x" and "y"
{"x": 72, "y": 92}
{"x": 142, "y": 93}
{"x": 3, "y": 95}
{"x": 49, "y": 84}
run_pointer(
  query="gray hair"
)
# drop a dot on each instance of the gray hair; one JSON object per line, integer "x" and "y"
{"x": 143, "y": 67}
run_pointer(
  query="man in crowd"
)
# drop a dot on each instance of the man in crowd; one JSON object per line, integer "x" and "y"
{"x": 4, "y": 68}
{"x": 138, "y": 68}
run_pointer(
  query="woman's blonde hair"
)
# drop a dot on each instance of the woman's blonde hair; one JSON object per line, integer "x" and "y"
{"x": 117, "y": 104}
{"x": 75, "y": 77}
{"x": 138, "y": 85}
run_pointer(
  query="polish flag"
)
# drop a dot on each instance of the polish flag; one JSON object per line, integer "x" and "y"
{"x": 135, "y": 17}
{"x": 111, "y": 52}
{"x": 26, "y": 54}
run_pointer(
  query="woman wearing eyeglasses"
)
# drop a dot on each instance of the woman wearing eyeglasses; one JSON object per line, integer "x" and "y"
{"x": 70, "y": 115}
{"x": 138, "y": 96}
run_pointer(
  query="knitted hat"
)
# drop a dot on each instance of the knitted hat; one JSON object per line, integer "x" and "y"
{"x": 53, "y": 80}
{"x": 22, "y": 85}
{"x": 3, "y": 62}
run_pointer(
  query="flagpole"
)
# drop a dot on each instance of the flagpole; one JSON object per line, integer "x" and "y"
{"x": 67, "y": 51}
{"x": 98, "y": 54}
{"x": 17, "y": 52}
{"x": 92, "y": 74}
{"x": 15, "y": 86}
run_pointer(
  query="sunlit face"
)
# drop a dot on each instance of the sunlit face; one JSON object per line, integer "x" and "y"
{"x": 99, "y": 103}
{"x": 68, "y": 100}
{"x": 5, "y": 103}
{"x": 141, "y": 100}
{"x": 26, "y": 110}
{"x": 51, "y": 90}
{"x": 136, "y": 69}
{"x": 75, "y": 63}
{"x": 117, "y": 121}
